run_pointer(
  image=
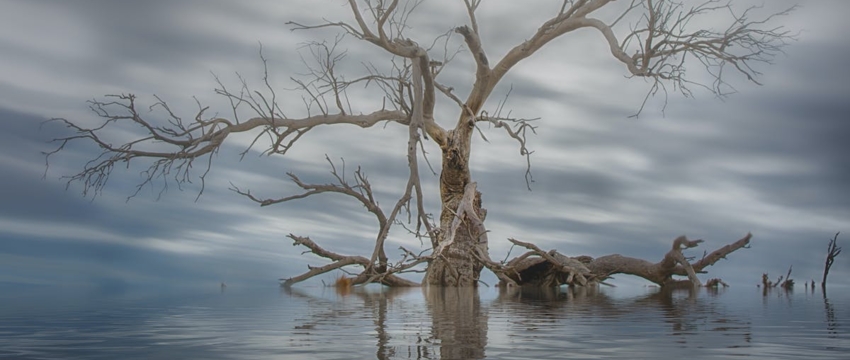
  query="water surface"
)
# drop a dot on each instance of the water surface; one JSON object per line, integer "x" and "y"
{"x": 376, "y": 322}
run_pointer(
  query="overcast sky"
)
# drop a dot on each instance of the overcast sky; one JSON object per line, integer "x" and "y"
{"x": 771, "y": 159}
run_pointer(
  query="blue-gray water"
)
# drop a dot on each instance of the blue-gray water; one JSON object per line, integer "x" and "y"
{"x": 319, "y": 323}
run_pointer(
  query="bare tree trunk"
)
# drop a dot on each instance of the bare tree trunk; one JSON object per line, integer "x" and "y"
{"x": 462, "y": 234}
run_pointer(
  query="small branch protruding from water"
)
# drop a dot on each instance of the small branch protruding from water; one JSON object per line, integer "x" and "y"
{"x": 832, "y": 252}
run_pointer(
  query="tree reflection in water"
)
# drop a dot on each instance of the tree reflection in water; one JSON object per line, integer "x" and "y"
{"x": 459, "y": 321}
{"x": 454, "y": 323}
{"x": 831, "y": 322}
{"x": 687, "y": 313}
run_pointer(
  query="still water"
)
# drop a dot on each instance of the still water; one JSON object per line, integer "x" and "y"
{"x": 375, "y": 322}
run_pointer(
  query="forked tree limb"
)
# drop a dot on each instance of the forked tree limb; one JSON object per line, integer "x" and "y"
{"x": 399, "y": 46}
{"x": 361, "y": 190}
{"x": 719, "y": 254}
{"x": 683, "y": 262}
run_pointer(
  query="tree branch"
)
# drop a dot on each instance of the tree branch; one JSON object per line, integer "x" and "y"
{"x": 339, "y": 260}
{"x": 667, "y": 39}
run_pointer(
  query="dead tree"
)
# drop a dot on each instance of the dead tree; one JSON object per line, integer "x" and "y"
{"x": 653, "y": 39}
{"x": 832, "y": 251}
{"x": 788, "y": 284}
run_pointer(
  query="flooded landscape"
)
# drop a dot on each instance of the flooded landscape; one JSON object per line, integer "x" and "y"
{"x": 435, "y": 323}
{"x": 168, "y": 164}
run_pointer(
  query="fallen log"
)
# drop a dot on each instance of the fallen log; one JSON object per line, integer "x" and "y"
{"x": 541, "y": 268}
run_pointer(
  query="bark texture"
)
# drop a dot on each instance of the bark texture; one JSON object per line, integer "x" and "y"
{"x": 462, "y": 234}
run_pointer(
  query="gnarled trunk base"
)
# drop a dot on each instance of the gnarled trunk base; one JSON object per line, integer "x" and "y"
{"x": 463, "y": 245}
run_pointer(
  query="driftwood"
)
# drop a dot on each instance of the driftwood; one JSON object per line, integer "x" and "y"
{"x": 551, "y": 268}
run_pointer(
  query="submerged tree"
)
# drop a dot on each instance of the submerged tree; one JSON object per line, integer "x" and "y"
{"x": 655, "y": 40}
{"x": 832, "y": 251}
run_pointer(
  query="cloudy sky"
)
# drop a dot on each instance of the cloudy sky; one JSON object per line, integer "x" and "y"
{"x": 771, "y": 159}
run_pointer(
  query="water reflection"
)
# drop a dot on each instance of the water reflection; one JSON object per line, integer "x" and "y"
{"x": 831, "y": 321}
{"x": 459, "y": 322}
{"x": 688, "y": 314}
{"x": 684, "y": 311}
{"x": 377, "y": 305}
{"x": 432, "y": 323}
{"x": 456, "y": 321}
